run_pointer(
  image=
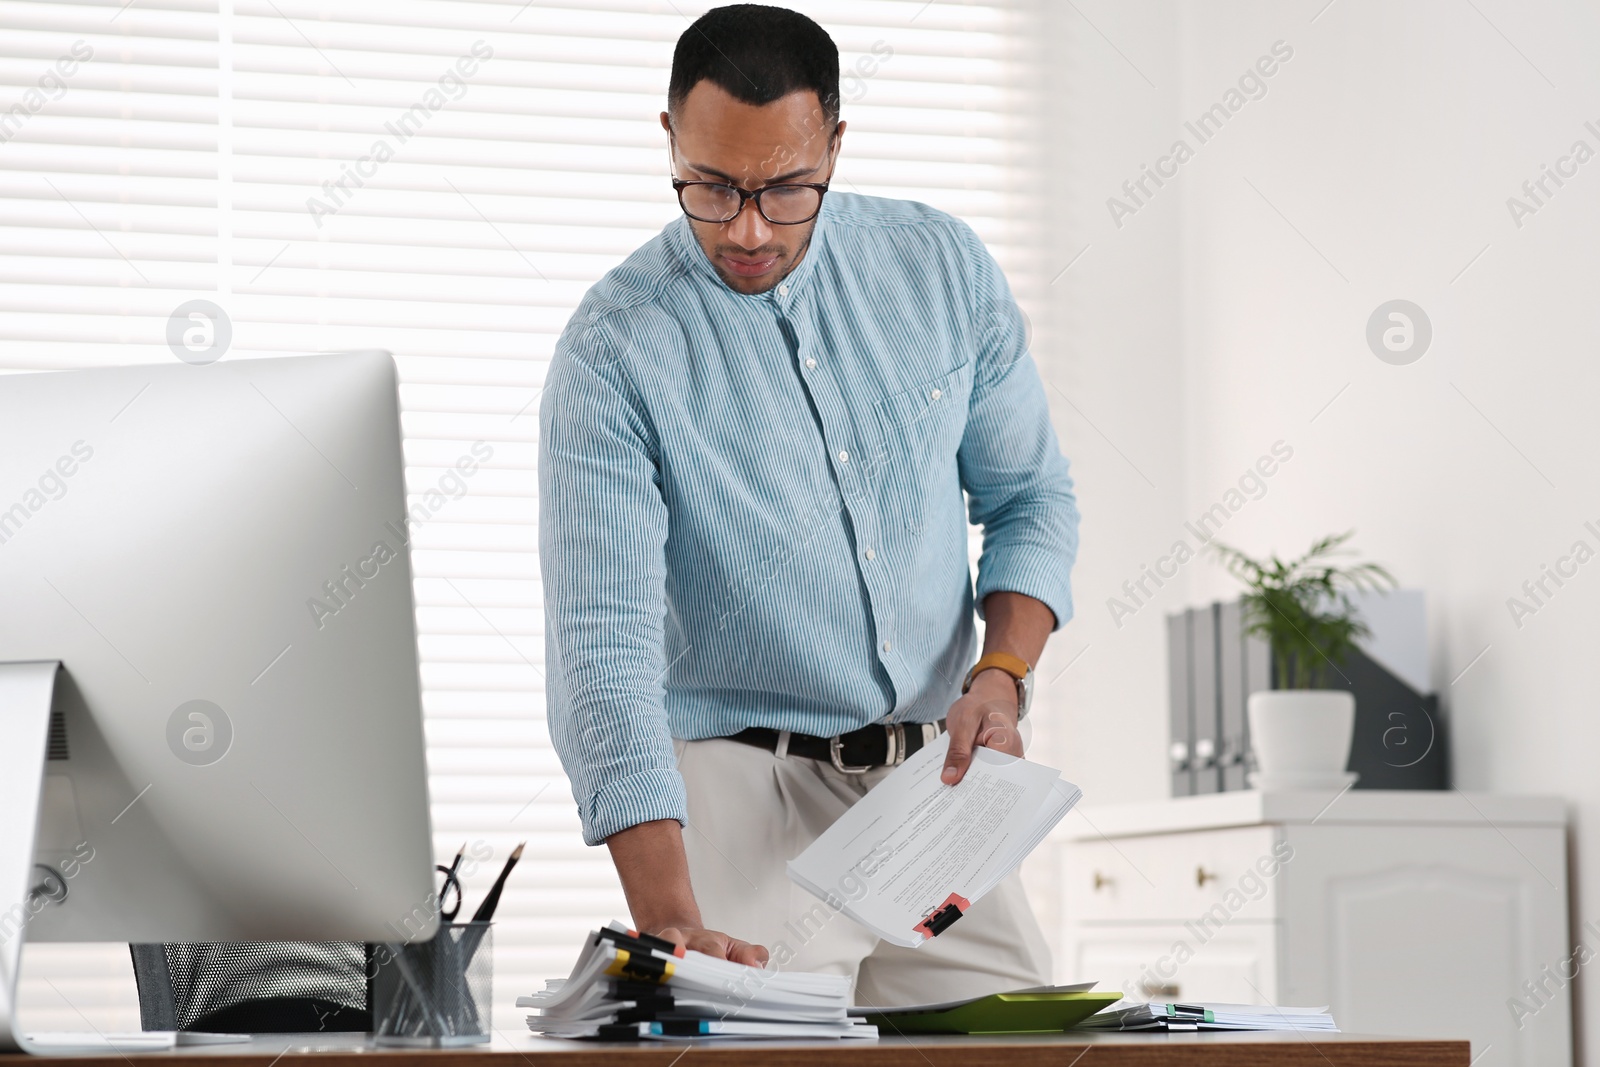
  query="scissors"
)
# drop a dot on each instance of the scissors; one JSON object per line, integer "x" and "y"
{"x": 451, "y": 881}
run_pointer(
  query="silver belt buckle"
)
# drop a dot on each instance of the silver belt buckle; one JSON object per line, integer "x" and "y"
{"x": 836, "y": 757}
{"x": 894, "y": 735}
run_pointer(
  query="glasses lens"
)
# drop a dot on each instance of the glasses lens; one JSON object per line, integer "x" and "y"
{"x": 790, "y": 203}
{"x": 710, "y": 203}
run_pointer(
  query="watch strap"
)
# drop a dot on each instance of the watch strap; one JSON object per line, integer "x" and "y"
{"x": 1005, "y": 661}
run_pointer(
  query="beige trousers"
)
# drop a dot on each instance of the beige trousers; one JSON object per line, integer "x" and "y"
{"x": 751, "y": 812}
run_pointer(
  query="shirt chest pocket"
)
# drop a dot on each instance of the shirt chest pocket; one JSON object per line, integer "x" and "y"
{"x": 920, "y": 431}
{"x": 929, "y": 411}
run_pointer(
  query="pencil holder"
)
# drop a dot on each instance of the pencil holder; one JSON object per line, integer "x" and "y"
{"x": 437, "y": 993}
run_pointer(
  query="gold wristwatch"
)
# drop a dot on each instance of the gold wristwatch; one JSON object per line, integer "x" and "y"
{"x": 1017, "y": 668}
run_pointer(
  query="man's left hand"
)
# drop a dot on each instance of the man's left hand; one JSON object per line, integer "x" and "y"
{"x": 984, "y": 717}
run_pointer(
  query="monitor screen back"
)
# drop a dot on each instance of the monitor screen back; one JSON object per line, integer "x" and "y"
{"x": 218, "y": 556}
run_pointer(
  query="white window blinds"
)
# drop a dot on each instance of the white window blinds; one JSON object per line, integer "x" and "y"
{"x": 443, "y": 179}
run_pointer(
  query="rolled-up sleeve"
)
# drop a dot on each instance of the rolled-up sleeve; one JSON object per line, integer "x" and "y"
{"x": 1018, "y": 486}
{"x": 602, "y": 537}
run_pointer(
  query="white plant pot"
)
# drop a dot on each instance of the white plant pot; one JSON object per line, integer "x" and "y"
{"x": 1301, "y": 738}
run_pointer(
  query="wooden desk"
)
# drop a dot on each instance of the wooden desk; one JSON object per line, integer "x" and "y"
{"x": 1056, "y": 1050}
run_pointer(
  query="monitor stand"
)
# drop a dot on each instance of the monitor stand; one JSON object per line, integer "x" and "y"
{"x": 26, "y": 690}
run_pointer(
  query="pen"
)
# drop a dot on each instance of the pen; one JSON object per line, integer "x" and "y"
{"x": 485, "y": 910}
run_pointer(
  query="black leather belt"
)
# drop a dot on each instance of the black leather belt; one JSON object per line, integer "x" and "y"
{"x": 857, "y": 752}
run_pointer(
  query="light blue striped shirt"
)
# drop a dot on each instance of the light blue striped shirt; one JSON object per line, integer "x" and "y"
{"x": 751, "y": 508}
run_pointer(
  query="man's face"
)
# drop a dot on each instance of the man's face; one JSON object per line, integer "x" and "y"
{"x": 719, "y": 139}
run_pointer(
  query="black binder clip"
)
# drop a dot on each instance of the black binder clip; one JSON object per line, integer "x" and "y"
{"x": 944, "y": 916}
{"x": 638, "y": 942}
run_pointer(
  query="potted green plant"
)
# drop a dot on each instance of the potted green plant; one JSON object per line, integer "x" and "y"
{"x": 1301, "y": 729}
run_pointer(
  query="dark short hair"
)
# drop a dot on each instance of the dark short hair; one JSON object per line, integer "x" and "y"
{"x": 757, "y": 54}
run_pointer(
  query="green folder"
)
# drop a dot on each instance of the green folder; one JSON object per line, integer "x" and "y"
{"x": 1022, "y": 1012}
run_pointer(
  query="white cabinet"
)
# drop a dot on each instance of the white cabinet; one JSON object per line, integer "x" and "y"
{"x": 1237, "y": 965}
{"x": 1407, "y": 913}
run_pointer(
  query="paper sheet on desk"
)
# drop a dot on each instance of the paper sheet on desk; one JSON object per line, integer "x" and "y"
{"x": 912, "y": 845}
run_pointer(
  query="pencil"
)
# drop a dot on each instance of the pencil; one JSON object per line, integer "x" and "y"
{"x": 485, "y": 910}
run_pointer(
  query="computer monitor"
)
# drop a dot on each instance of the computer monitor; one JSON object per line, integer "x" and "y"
{"x": 232, "y": 746}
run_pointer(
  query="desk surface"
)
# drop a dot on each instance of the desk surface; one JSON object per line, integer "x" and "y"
{"x": 1058, "y": 1050}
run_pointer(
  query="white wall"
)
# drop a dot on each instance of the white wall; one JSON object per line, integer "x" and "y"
{"x": 1106, "y": 341}
{"x": 1377, "y": 166}
{"x": 1109, "y": 353}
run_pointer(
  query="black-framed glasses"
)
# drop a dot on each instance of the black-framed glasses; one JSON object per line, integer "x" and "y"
{"x": 786, "y": 204}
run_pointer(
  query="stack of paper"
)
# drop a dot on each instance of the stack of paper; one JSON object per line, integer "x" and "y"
{"x": 627, "y": 986}
{"x": 910, "y": 857}
{"x": 1159, "y": 1015}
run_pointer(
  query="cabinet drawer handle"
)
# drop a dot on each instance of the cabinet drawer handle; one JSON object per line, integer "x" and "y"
{"x": 1202, "y": 876}
{"x": 1101, "y": 881}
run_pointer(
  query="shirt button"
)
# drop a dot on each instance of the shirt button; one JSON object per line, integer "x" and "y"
{"x": 844, "y": 457}
{"x": 871, "y": 555}
{"x": 888, "y": 645}
{"x": 811, "y": 364}
{"x": 783, "y": 290}
{"x": 936, "y": 394}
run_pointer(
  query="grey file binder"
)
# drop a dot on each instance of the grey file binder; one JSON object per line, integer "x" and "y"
{"x": 1213, "y": 668}
{"x": 1257, "y": 678}
{"x": 1203, "y": 670}
{"x": 1232, "y": 741}
{"x": 1178, "y": 703}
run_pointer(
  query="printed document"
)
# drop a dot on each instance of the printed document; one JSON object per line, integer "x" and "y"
{"x": 910, "y": 857}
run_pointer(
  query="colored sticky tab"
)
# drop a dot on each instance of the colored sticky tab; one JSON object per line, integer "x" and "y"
{"x": 943, "y": 916}
{"x": 640, "y": 967}
{"x": 681, "y": 1028}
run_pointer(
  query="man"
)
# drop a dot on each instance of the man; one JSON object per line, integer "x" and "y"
{"x": 754, "y": 441}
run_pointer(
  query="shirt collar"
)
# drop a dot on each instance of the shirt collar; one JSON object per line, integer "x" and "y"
{"x": 682, "y": 240}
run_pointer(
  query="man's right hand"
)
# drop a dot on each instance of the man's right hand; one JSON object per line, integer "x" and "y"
{"x": 714, "y": 943}
{"x": 655, "y": 877}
